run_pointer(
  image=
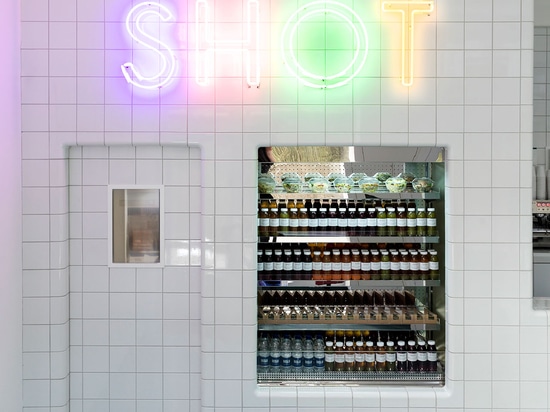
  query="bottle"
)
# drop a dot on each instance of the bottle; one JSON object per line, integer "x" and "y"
{"x": 391, "y": 358}
{"x": 371, "y": 221}
{"x": 422, "y": 356}
{"x": 432, "y": 356}
{"x": 434, "y": 265}
{"x": 274, "y": 221}
{"x": 401, "y": 221}
{"x": 361, "y": 221}
{"x": 260, "y": 264}
{"x": 411, "y": 221}
{"x": 370, "y": 357}
{"x": 327, "y": 265}
{"x": 319, "y": 354}
{"x": 268, "y": 264}
{"x": 263, "y": 354}
{"x": 283, "y": 219}
{"x": 391, "y": 221}
{"x": 424, "y": 265}
{"x": 421, "y": 222}
{"x": 303, "y": 219}
{"x": 308, "y": 356}
{"x": 290, "y": 204}
{"x": 375, "y": 265}
{"x": 380, "y": 356}
{"x": 297, "y": 355}
{"x": 307, "y": 265}
{"x": 286, "y": 354}
{"x": 278, "y": 264}
{"x": 339, "y": 357}
{"x": 336, "y": 265}
{"x": 288, "y": 264}
{"x": 293, "y": 221}
{"x": 342, "y": 218}
{"x": 263, "y": 229}
{"x": 385, "y": 265}
{"x": 405, "y": 265}
{"x": 395, "y": 265}
{"x": 352, "y": 221}
{"x": 359, "y": 356}
{"x": 346, "y": 265}
{"x": 365, "y": 264}
{"x": 355, "y": 264}
{"x": 313, "y": 219}
{"x": 317, "y": 265}
{"x": 431, "y": 222}
{"x": 275, "y": 355}
{"x": 332, "y": 219}
{"x": 297, "y": 264}
{"x": 412, "y": 356}
{"x": 381, "y": 221}
{"x": 401, "y": 356}
{"x": 349, "y": 357}
{"x": 414, "y": 267}
{"x": 323, "y": 219}
{"x": 329, "y": 356}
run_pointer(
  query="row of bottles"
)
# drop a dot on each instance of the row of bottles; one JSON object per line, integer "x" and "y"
{"x": 290, "y": 262}
{"x": 304, "y": 298}
{"x": 351, "y": 351}
{"x": 349, "y": 216}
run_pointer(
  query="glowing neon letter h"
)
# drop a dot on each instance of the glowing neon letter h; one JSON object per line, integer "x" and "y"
{"x": 206, "y": 46}
{"x": 408, "y": 9}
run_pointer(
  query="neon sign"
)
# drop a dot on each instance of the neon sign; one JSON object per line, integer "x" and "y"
{"x": 206, "y": 47}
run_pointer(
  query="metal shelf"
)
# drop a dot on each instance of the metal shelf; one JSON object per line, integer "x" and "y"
{"x": 342, "y": 237}
{"x": 279, "y": 192}
{"x": 346, "y": 326}
{"x": 346, "y": 284}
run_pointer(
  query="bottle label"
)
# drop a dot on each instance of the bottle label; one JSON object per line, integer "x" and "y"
{"x": 263, "y": 359}
{"x": 278, "y": 266}
{"x": 381, "y": 222}
{"x": 308, "y": 360}
{"x": 401, "y": 356}
{"x": 371, "y": 222}
{"x": 432, "y": 356}
{"x": 333, "y": 222}
{"x": 274, "y": 222}
{"x": 319, "y": 361}
{"x": 431, "y": 222}
{"x": 329, "y": 357}
{"x": 390, "y": 357}
{"x": 323, "y": 222}
{"x": 268, "y": 266}
{"x": 411, "y": 222}
{"x": 415, "y": 266}
{"x": 346, "y": 267}
{"x": 286, "y": 360}
{"x": 326, "y": 266}
{"x": 313, "y": 222}
{"x": 275, "y": 359}
{"x": 287, "y": 266}
{"x": 401, "y": 222}
{"x": 352, "y": 222}
{"x": 307, "y": 266}
{"x": 336, "y": 266}
{"x": 395, "y": 266}
{"x": 422, "y": 356}
{"x": 297, "y": 360}
{"x": 359, "y": 356}
{"x": 303, "y": 222}
{"x": 421, "y": 221}
{"x": 264, "y": 222}
{"x": 293, "y": 223}
{"x": 412, "y": 356}
{"x": 366, "y": 266}
{"x": 404, "y": 265}
{"x": 317, "y": 266}
{"x": 434, "y": 265}
{"x": 385, "y": 265}
{"x": 284, "y": 222}
{"x": 375, "y": 265}
{"x": 381, "y": 357}
{"x": 297, "y": 266}
{"x": 260, "y": 266}
{"x": 339, "y": 358}
{"x": 349, "y": 357}
{"x": 369, "y": 357}
{"x": 356, "y": 265}
{"x": 424, "y": 266}
{"x": 362, "y": 222}
{"x": 342, "y": 222}
{"x": 391, "y": 221}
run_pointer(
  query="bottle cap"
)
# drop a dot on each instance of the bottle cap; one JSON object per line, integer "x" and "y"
{"x": 390, "y": 343}
{"x": 369, "y": 343}
{"x": 329, "y": 343}
{"x": 380, "y": 344}
{"x": 349, "y": 343}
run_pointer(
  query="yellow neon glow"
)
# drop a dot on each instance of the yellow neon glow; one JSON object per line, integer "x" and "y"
{"x": 205, "y": 46}
{"x": 408, "y": 10}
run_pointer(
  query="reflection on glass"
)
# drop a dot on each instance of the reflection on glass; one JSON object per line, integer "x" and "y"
{"x": 136, "y": 225}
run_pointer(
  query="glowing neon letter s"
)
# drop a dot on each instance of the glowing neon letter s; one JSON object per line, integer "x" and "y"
{"x": 166, "y": 56}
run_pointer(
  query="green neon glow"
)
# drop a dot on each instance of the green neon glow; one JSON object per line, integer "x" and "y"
{"x": 329, "y": 60}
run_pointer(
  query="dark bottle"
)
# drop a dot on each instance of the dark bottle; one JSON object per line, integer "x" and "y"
{"x": 432, "y": 356}
{"x": 371, "y": 221}
{"x": 401, "y": 356}
{"x": 401, "y": 221}
{"x": 422, "y": 356}
{"x": 297, "y": 264}
{"x": 391, "y": 359}
{"x": 352, "y": 221}
{"x": 342, "y": 219}
{"x": 361, "y": 221}
{"x": 313, "y": 219}
{"x": 332, "y": 219}
{"x": 293, "y": 221}
{"x": 277, "y": 264}
{"x": 307, "y": 265}
{"x": 268, "y": 264}
{"x": 412, "y": 356}
{"x": 322, "y": 219}
{"x": 288, "y": 264}
{"x": 303, "y": 219}
{"x": 260, "y": 265}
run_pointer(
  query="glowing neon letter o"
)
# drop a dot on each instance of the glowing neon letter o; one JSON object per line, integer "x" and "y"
{"x": 311, "y": 79}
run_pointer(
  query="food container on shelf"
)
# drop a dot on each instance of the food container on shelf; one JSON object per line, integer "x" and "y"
{"x": 290, "y": 174}
{"x": 311, "y": 175}
{"x": 343, "y": 184}
{"x": 292, "y": 185}
{"x": 382, "y": 176}
{"x": 357, "y": 176}
{"x": 266, "y": 184}
{"x": 319, "y": 185}
{"x": 423, "y": 184}
{"x": 408, "y": 176}
{"x": 369, "y": 184}
{"x": 395, "y": 184}
{"x": 334, "y": 175}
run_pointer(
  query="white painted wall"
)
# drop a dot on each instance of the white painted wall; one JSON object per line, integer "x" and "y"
{"x": 10, "y": 210}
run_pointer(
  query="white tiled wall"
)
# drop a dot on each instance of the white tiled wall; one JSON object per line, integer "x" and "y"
{"x": 473, "y": 95}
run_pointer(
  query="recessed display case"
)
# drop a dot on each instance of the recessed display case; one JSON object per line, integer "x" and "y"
{"x": 350, "y": 266}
